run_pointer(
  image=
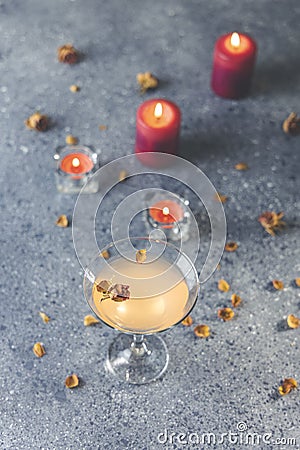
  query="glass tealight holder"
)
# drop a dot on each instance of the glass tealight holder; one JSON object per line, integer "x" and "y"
{"x": 75, "y": 164}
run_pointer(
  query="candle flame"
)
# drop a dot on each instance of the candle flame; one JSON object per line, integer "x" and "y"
{"x": 166, "y": 211}
{"x": 235, "y": 40}
{"x": 75, "y": 162}
{"x": 158, "y": 110}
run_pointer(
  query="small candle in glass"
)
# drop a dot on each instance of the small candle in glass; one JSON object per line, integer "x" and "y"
{"x": 75, "y": 165}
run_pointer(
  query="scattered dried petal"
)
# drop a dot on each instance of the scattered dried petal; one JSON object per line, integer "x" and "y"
{"x": 62, "y": 221}
{"x": 231, "y": 246}
{"x": 287, "y": 386}
{"x": 39, "y": 350}
{"x": 297, "y": 282}
{"x": 221, "y": 198}
{"x": 71, "y": 140}
{"x": 241, "y": 166}
{"x": 202, "y": 331}
{"x": 223, "y": 286}
{"x": 102, "y": 127}
{"x": 235, "y": 300}
{"x": 226, "y": 314}
{"x": 44, "y": 317}
{"x": 119, "y": 292}
{"x": 72, "y": 381}
{"x": 105, "y": 254}
{"x": 271, "y": 221}
{"x": 90, "y": 320}
{"x": 74, "y": 88}
{"x": 103, "y": 286}
{"x": 37, "y": 121}
{"x": 67, "y": 54}
{"x": 141, "y": 255}
{"x": 278, "y": 285}
{"x": 293, "y": 321}
{"x": 146, "y": 81}
{"x": 122, "y": 175}
{"x": 291, "y": 125}
{"x": 187, "y": 322}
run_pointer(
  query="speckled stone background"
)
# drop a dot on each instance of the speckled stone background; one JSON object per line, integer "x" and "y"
{"x": 211, "y": 385}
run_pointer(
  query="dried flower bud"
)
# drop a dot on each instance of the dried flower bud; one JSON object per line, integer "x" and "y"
{"x": 90, "y": 320}
{"x": 74, "y": 88}
{"x": 141, "y": 255}
{"x": 67, "y": 54}
{"x": 226, "y": 314}
{"x": 231, "y": 246}
{"x": 291, "y": 125}
{"x": 293, "y": 321}
{"x": 39, "y": 350}
{"x": 221, "y": 198}
{"x": 146, "y": 81}
{"x": 297, "y": 282}
{"x": 62, "y": 221}
{"x": 44, "y": 317}
{"x": 187, "y": 322}
{"x": 271, "y": 221}
{"x": 37, "y": 121}
{"x": 223, "y": 286}
{"x": 119, "y": 292}
{"x": 235, "y": 300}
{"x": 202, "y": 331}
{"x": 241, "y": 166}
{"x": 72, "y": 381}
{"x": 122, "y": 175}
{"x": 102, "y": 127}
{"x": 105, "y": 254}
{"x": 71, "y": 140}
{"x": 278, "y": 285}
{"x": 287, "y": 386}
{"x": 103, "y": 286}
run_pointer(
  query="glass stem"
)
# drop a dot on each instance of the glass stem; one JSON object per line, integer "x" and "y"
{"x": 139, "y": 346}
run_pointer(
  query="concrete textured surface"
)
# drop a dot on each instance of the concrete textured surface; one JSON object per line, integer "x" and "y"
{"x": 227, "y": 383}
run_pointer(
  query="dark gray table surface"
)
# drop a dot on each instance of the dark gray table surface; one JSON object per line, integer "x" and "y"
{"x": 211, "y": 385}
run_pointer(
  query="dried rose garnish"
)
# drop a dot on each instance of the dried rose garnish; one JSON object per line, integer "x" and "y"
{"x": 37, "y": 121}
{"x": 122, "y": 175}
{"x": 231, "y": 246}
{"x": 74, "y": 88}
{"x": 105, "y": 254}
{"x": 90, "y": 320}
{"x": 187, "y": 322}
{"x": 39, "y": 350}
{"x": 271, "y": 221}
{"x": 278, "y": 285}
{"x": 71, "y": 140}
{"x": 221, "y": 198}
{"x": 287, "y": 386}
{"x": 225, "y": 314}
{"x": 241, "y": 166}
{"x": 293, "y": 321}
{"x": 297, "y": 282}
{"x": 291, "y": 125}
{"x": 146, "y": 81}
{"x": 223, "y": 286}
{"x": 119, "y": 292}
{"x": 72, "y": 381}
{"x": 44, "y": 317}
{"x": 141, "y": 255}
{"x": 235, "y": 300}
{"x": 62, "y": 221}
{"x": 202, "y": 331}
{"x": 103, "y": 286}
{"x": 67, "y": 54}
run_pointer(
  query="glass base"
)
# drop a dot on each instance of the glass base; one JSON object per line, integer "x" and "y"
{"x": 137, "y": 359}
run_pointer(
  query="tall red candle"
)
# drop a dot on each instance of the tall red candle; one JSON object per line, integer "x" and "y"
{"x": 233, "y": 65}
{"x": 157, "y": 128}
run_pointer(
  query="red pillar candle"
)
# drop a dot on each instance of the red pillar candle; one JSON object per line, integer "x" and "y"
{"x": 157, "y": 127}
{"x": 233, "y": 64}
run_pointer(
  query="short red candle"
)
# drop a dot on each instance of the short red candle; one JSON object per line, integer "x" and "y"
{"x": 233, "y": 65}
{"x": 76, "y": 163}
{"x": 166, "y": 212}
{"x": 157, "y": 131}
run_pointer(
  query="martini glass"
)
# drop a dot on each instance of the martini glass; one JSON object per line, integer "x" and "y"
{"x": 140, "y": 299}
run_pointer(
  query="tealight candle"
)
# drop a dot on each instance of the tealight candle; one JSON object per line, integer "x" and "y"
{"x": 75, "y": 164}
{"x": 157, "y": 129}
{"x": 233, "y": 65}
{"x": 166, "y": 213}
